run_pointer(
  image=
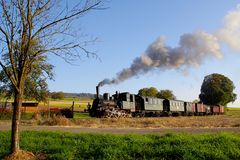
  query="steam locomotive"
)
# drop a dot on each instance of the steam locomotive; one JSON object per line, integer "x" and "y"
{"x": 132, "y": 105}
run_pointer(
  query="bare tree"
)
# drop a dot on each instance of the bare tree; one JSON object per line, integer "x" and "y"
{"x": 47, "y": 22}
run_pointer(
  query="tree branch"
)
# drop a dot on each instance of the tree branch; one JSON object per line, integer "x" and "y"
{"x": 66, "y": 18}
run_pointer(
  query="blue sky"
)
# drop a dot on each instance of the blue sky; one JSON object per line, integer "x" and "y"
{"x": 124, "y": 32}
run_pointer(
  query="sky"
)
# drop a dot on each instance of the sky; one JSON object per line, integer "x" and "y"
{"x": 128, "y": 28}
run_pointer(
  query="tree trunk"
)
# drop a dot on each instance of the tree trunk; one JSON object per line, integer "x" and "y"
{"x": 16, "y": 122}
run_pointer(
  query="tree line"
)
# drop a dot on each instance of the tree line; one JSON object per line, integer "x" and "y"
{"x": 153, "y": 92}
{"x": 216, "y": 89}
{"x": 42, "y": 94}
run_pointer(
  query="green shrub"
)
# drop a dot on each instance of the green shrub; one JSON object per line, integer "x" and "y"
{"x": 7, "y": 115}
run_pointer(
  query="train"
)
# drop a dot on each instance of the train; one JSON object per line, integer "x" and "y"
{"x": 133, "y": 105}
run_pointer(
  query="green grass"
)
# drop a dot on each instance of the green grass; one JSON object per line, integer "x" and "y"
{"x": 81, "y": 115}
{"x": 7, "y": 115}
{"x": 62, "y": 146}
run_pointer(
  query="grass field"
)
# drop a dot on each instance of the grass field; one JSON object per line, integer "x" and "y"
{"x": 67, "y": 146}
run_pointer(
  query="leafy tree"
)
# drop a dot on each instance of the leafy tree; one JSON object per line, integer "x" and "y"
{"x": 143, "y": 92}
{"x": 57, "y": 95}
{"x": 23, "y": 22}
{"x": 36, "y": 87}
{"x": 166, "y": 94}
{"x": 151, "y": 92}
{"x": 2, "y": 94}
{"x": 217, "y": 89}
{"x": 4, "y": 84}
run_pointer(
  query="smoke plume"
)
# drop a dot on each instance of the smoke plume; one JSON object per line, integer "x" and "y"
{"x": 193, "y": 49}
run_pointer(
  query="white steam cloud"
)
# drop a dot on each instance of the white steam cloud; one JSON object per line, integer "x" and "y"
{"x": 193, "y": 49}
{"x": 230, "y": 33}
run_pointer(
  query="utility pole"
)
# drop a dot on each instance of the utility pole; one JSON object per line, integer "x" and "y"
{"x": 73, "y": 109}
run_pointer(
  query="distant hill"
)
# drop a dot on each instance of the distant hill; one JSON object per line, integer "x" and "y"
{"x": 80, "y": 95}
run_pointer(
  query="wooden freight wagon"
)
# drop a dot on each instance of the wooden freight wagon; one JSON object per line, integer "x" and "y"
{"x": 215, "y": 110}
{"x": 221, "y": 109}
{"x": 200, "y": 109}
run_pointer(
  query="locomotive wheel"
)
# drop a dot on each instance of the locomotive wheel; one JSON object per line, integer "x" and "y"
{"x": 115, "y": 113}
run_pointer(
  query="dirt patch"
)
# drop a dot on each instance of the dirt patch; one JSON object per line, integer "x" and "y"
{"x": 25, "y": 155}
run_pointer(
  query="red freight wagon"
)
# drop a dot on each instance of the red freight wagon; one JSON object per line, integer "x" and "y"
{"x": 215, "y": 109}
{"x": 200, "y": 109}
{"x": 193, "y": 108}
{"x": 221, "y": 110}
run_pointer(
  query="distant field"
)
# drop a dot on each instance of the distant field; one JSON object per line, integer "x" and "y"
{"x": 62, "y": 146}
{"x": 233, "y": 113}
{"x": 233, "y": 109}
{"x": 82, "y": 99}
{"x": 66, "y": 102}
{"x": 79, "y": 103}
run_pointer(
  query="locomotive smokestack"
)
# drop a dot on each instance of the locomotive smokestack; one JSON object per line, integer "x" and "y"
{"x": 97, "y": 92}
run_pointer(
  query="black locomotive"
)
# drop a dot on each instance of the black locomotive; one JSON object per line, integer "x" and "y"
{"x": 128, "y": 105}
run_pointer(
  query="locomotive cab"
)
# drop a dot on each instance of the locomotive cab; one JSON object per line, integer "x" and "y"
{"x": 125, "y": 101}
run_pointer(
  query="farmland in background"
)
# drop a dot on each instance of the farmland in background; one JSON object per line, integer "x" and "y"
{"x": 79, "y": 103}
{"x": 233, "y": 111}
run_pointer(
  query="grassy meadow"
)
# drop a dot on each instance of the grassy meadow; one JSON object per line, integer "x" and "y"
{"x": 67, "y": 146}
